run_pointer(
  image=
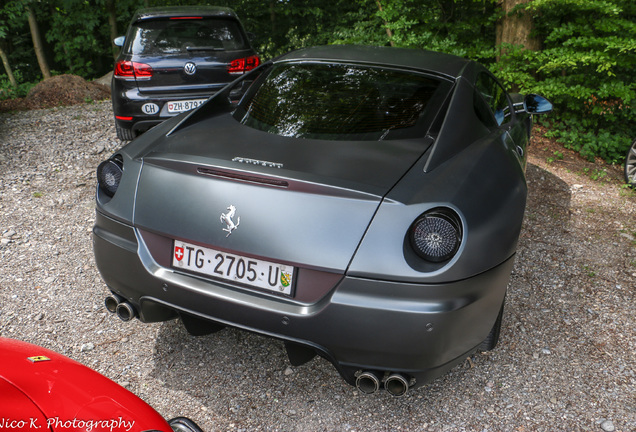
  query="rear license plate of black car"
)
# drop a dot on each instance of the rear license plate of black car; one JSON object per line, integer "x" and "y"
{"x": 182, "y": 106}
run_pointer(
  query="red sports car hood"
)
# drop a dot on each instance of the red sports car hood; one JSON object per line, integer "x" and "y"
{"x": 41, "y": 390}
{"x": 17, "y": 411}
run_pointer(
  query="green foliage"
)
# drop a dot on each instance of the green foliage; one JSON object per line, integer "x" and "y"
{"x": 460, "y": 28}
{"x": 78, "y": 37}
{"x": 7, "y": 91}
{"x": 586, "y": 68}
{"x": 16, "y": 40}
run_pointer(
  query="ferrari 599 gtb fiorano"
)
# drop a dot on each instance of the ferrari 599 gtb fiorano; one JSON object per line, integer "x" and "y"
{"x": 360, "y": 203}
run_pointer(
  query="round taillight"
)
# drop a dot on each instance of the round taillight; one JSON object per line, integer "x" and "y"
{"x": 109, "y": 175}
{"x": 436, "y": 235}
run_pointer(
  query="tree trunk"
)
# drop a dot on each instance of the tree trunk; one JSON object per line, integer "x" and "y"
{"x": 272, "y": 19}
{"x": 516, "y": 26}
{"x": 389, "y": 33}
{"x": 112, "y": 23}
{"x": 37, "y": 44}
{"x": 7, "y": 67}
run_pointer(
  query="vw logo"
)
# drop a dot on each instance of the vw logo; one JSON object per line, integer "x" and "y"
{"x": 190, "y": 68}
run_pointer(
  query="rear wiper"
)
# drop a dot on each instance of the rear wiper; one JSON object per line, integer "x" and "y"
{"x": 203, "y": 48}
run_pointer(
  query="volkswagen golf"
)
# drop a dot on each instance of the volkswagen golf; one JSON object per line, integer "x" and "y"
{"x": 172, "y": 60}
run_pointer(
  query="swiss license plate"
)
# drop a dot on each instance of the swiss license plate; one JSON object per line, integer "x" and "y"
{"x": 182, "y": 106}
{"x": 235, "y": 268}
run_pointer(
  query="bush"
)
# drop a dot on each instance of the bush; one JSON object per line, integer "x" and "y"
{"x": 7, "y": 91}
{"x": 586, "y": 70}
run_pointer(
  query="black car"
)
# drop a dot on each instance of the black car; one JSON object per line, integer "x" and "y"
{"x": 360, "y": 203}
{"x": 172, "y": 60}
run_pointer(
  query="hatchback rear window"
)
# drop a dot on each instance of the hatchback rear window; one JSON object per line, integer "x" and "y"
{"x": 339, "y": 101}
{"x": 179, "y": 36}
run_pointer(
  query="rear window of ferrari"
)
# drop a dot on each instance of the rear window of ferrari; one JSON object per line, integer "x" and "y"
{"x": 341, "y": 101}
{"x": 179, "y": 36}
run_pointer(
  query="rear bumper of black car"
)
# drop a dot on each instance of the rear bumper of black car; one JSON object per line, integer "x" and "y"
{"x": 139, "y": 111}
{"x": 419, "y": 330}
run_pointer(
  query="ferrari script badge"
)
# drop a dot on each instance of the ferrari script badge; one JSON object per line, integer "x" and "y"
{"x": 226, "y": 218}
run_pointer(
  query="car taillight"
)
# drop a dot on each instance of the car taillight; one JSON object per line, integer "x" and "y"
{"x": 130, "y": 70}
{"x": 243, "y": 65}
{"x": 436, "y": 235}
{"x": 109, "y": 174}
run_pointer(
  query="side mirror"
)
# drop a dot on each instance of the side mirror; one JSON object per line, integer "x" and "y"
{"x": 535, "y": 104}
{"x": 119, "y": 41}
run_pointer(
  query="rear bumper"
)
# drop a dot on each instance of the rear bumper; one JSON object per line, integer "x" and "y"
{"x": 129, "y": 102}
{"x": 361, "y": 324}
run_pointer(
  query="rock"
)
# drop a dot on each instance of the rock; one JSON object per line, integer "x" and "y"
{"x": 87, "y": 347}
{"x": 608, "y": 426}
{"x": 105, "y": 80}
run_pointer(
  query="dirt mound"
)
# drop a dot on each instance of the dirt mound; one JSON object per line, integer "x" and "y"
{"x": 56, "y": 91}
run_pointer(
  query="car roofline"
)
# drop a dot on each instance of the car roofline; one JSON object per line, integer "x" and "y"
{"x": 446, "y": 65}
{"x": 369, "y": 64}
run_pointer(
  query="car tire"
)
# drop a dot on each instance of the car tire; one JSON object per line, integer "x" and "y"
{"x": 124, "y": 134}
{"x": 493, "y": 337}
{"x": 630, "y": 166}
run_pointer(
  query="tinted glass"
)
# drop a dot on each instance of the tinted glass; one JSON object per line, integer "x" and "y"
{"x": 160, "y": 37}
{"x": 495, "y": 96}
{"x": 335, "y": 101}
{"x": 483, "y": 110}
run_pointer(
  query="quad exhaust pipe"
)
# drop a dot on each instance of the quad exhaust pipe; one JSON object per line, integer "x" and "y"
{"x": 396, "y": 384}
{"x": 118, "y": 305}
{"x": 112, "y": 301}
{"x": 368, "y": 382}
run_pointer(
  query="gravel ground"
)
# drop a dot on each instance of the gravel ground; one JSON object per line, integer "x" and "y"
{"x": 565, "y": 360}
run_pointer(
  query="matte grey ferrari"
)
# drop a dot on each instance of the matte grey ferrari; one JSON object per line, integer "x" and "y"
{"x": 359, "y": 203}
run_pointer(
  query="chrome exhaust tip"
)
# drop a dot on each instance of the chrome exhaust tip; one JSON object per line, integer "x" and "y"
{"x": 111, "y": 302}
{"x": 368, "y": 382}
{"x": 126, "y": 311}
{"x": 396, "y": 384}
